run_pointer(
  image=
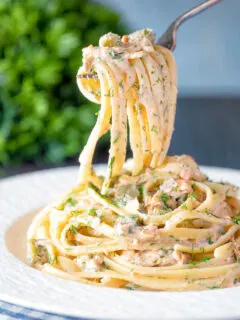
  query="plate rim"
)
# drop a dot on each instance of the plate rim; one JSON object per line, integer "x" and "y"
{"x": 109, "y": 303}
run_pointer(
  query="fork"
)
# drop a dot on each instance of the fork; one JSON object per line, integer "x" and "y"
{"x": 169, "y": 38}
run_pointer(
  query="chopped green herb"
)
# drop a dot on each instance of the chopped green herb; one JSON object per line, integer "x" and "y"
{"x": 236, "y": 220}
{"x": 192, "y": 195}
{"x": 136, "y": 86}
{"x": 154, "y": 129}
{"x": 194, "y": 186}
{"x": 73, "y": 229}
{"x": 128, "y": 288}
{"x": 71, "y": 201}
{"x": 96, "y": 93}
{"x": 207, "y": 211}
{"x": 133, "y": 287}
{"x": 184, "y": 206}
{"x": 75, "y": 213}
{"x": 107, "y": 199}
{"x": 235, "y": 281}
{"x": 145, "y": 32}
{"x": 152, "y": 243}
{"x": 105, "y": 265}
{"x": 111, "y": 162}
{"x": 192, "y": 264}
{"x": 141, "y": 191}
{"x": 164, "y": 197}
{"x": 116, "y": 139}
{"x": 190, "y": 222}
{"x": 92, "y": 212}
{"x": 110, "y": 93}
{"x": 210, "y": 241}
{"x": 214, "y": 287}
{"x": 205, "y": 259}
{"x": 52, "y": 259}
{"x": 121, "y": 84}
{"x": 114, "y": 55}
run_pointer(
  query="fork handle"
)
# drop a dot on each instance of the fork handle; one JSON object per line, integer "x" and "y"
{"x": 194, "y": 11}
{"x": 168, "y": 39}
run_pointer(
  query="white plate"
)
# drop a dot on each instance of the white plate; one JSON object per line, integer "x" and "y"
{"x": 25, "y": 286}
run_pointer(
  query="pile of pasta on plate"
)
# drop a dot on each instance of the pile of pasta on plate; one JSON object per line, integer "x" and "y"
{"x": 156, "y": 222}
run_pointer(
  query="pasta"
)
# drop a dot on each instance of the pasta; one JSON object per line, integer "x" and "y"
{"x": 152, "y": 223}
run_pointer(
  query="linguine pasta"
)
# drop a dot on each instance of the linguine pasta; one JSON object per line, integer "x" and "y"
{"x": 156, "y": 222}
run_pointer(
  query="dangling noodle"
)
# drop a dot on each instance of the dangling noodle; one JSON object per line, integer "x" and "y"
{"x": 156, "y": 223}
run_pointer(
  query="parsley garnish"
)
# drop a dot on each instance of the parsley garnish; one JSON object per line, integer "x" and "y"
{"x": 145, "y": 32}
{"x": 236, "y": 220}
{"x": 184, "y": 206}
{"x": 114, "y": 55}
{"x": 93, "y": 187}
{"x": 192, "y": 195}
{"x": 110, "y": 93}
{"x": 154, "y": 129}
{"x": 214, "y": 287}
{"x": 73, "y": 229}
{"x": 205, "y": 259}
{"x": 192, "y": 263}
{"x": 52, "y": 259}
{"x": 71, "y": 201}
{"x": 116, "y": 139}
{"x": 140, "y": 188}
{"x": 235, "y": 281}
{"x": 128, "y": 288}
{"x": 134, "y": 287}
{"x": 210, "y": 241}
{"x": 207, "y": 211}
{"x": 135, "y": 85}
{"x": 111, "y": 163}
{"x": 164, "y": 197}
{"x": 92, "y": 212}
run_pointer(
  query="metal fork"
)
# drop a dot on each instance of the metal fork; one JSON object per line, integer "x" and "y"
{"x": 169, "y": 38}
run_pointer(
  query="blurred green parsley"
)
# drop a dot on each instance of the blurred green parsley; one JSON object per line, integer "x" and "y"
{"x": 43, "y": 117}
